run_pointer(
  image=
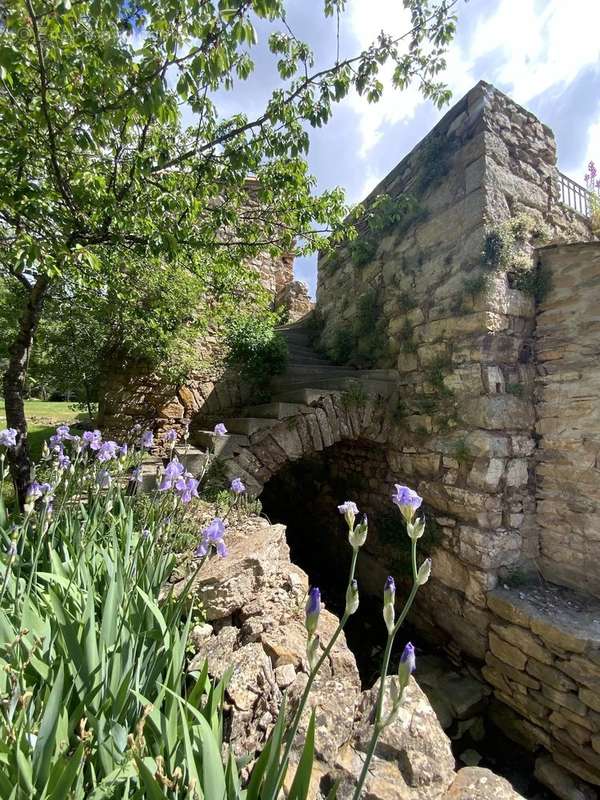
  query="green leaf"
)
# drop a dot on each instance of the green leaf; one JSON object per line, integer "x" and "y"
{"x": 64, "y": 774}
{"x": 301, "y": 783}
{"x": 46, "y": 744}
{"x": 151, "y": 785}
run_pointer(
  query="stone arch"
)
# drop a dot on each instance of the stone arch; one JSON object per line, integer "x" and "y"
{"x": 327, "y": 421}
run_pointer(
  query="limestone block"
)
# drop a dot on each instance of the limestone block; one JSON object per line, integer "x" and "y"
{"x": 506, "y": 652}
{"x": 499, "y": 412}
{"x": 465, "y": 380}
{"x": 525, "y": 641}
{"x": 477, "y": 783}
{"x": 431, "y": 354}
{"x": 491, "y": 445}
{"x": 486, "y": 474}
{"x": 448, "y": 569}
{"x": 590, "y": 698}
{"x": 488, "y": 549}
{"x": 517, "y": 473}
{"x": 561, "y": 782}
{"x": 551, "y": 676}
{"x": 515, "y": 675}
{"x": 457, "y": 327}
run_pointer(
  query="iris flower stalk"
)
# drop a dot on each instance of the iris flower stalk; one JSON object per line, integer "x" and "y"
{"x": 408, "y": 506}
{"x": 293, "y": 729}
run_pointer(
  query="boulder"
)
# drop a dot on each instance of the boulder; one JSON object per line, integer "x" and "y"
{"x": 476, "y": 783}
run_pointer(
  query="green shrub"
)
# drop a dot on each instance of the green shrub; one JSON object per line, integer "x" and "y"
{"x": 342, "y": 347}
{"x": 362, "y": 251}
{"x": 256, "y": 349}
{"x": 434, "y": 162}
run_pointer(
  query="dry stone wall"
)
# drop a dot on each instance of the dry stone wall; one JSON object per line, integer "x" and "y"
{"x": 568, "y": 417}
{"x": 544, "y": 664}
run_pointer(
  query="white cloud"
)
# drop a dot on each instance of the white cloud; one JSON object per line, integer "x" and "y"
{"x": 533, "y": 46}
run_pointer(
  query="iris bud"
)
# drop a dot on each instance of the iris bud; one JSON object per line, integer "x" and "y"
{"x": 313, "y": 609}
{"x": 424, "y": 572}
{"x": 352, "y": 598}
{"x": 357, "y": 536}
{"x": 389, "y": 598}
{"x": 406, "y": 666}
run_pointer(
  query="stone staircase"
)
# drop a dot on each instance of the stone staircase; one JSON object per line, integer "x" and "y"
{"x": 308, "y": 378}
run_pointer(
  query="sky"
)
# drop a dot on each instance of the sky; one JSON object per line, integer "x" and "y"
{"x": 545, "y": 54}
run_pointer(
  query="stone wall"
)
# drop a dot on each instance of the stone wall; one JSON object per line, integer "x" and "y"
{"x": 568, "y": 417}
{"x": 461, "y": 335}
{"x": 544, "y": 664}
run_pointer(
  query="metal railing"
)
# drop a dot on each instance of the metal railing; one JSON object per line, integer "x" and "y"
{"x": 575, "y": 196}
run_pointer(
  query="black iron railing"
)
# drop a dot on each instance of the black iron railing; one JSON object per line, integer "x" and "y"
{"x": 575, "y": 196}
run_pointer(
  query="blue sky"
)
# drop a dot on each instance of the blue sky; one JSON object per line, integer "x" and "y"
{"x": 543, "y": 53}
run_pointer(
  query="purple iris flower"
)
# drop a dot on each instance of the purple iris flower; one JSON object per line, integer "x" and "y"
{"x": 64, "y": 431}
{"x": 136, "y": 475}
{"x": 147, "y": 440}
{"x": 122, "y": 451}
{"x": 403, "y": 496}
{"x": 220, "y": 429}
{"x": 348, "y": 507}
{"x": 64, "y": 462}
{"x": 8, "y": 437}
{"x": 55, "y": 442}
{"x": 212, "y": 536}
{"x": 107, "y": 451}
{"x": 237, "y": 487}
{"x": 92, "y": 439}
{"x": 202, "y": 550}
{"x": 187, "y": 487}
{"x": 408, "y": 501}
{"x": 171, "y": 436}
{"x": 35, "y": 490}
{"x": 173, "y": 471}
{"x": 215, "y": 530}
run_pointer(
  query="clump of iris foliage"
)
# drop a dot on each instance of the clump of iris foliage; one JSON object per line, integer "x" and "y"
{"x": 96, "y": 698}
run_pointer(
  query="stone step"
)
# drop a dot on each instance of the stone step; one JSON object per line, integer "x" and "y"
{"x": 330, "y": 370}
{"x": 372, "y": 386}
{"x": 275, "y": 410}
{"x": 221, "y": 446}
{"x": 309, "y": 371}
{"x": 193, "y": 458}
{"x": 303, "y": 396}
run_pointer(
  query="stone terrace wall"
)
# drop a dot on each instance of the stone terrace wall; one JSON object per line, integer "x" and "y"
{"x": 544, "y": 664}
{"x": 568, "y": 417}
{"x": 463, "y": 433}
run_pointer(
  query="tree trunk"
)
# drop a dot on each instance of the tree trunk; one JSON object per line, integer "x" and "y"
{"x": 14, "y": 385}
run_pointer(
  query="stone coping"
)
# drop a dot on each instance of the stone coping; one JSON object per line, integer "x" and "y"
{"x": 568, "y": 619}
{"x": 594, "y": 244}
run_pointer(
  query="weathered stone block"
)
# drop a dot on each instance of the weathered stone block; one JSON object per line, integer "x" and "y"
{"x": 506, "y": 652}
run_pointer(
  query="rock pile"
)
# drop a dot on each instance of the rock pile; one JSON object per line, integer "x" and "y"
{"x": 254, "y": 606}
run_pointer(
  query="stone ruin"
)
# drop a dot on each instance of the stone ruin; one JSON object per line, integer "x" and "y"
{"x": 492, "y": 415}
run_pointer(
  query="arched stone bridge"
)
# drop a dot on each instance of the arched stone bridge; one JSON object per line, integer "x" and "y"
{"x": 314, "y": 405}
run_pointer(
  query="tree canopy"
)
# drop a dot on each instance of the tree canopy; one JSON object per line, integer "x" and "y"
{"x": 99, "y": 172}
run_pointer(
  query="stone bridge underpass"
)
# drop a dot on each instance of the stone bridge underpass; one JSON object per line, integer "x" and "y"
{"x": 479, "y": 311}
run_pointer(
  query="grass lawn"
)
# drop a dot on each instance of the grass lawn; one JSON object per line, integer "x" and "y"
{"x": 42, "y": 417}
